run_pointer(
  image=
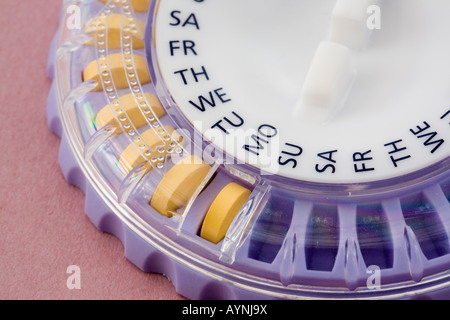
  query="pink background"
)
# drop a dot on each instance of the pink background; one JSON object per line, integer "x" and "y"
{"x": 43, "y": 227}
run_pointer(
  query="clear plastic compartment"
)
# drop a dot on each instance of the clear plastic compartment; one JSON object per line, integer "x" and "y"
{"x": 278, "y": 237}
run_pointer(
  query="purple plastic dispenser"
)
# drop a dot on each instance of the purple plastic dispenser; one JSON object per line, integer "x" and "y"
{"x": 291, "y": 240}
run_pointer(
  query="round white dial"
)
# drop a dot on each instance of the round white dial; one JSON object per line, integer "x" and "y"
{"x": 323, "y": 91}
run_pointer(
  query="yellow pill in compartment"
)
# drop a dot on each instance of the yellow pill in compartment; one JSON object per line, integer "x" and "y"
{"x": 138, "y": 5}
{"x": 133, "y": 155}
{"x": 117, "y": 71}
{"x": 179, "y": 184}
{"x": 117, "y": 31}
{"x": 138, "y": 110}
{"x": 222, "y": 212}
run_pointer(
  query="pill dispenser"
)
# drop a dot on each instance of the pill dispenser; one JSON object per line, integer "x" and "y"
{"x": 262, "y": 149}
